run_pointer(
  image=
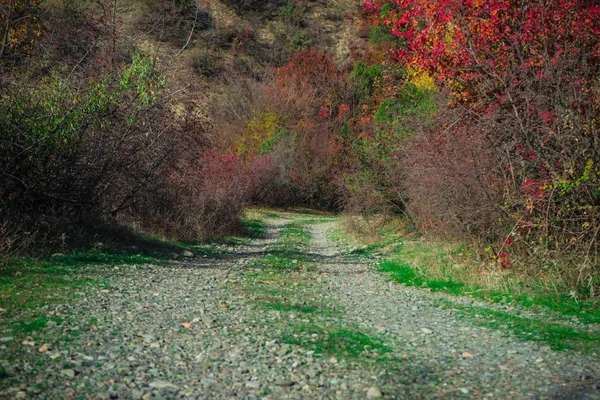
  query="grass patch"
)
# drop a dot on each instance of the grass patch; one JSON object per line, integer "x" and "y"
{"x": 557, "y": 336}
{"x": 333, "y": 340}
{"x": 294, "y": 236}
{"x": 33, "y": 326}
{"x": 516, "y": 294}
{"x": 288, "y": 252}
{"x": 284, "y": 261}
{"x": 452, "y": 268}
{"x": 253, "y": 228}
{"x": 403, "y": 273}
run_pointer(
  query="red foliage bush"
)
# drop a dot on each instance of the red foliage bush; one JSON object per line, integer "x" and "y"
{"x": 520, "y": 141}
{"x": 297, "y": 113}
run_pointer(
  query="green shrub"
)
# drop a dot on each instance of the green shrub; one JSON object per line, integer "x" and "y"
{"x": 363, "y": 78}
{"x": 292, "y": 14}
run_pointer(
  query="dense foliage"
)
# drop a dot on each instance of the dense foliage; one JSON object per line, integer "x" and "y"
{"x": 476, "y": 119}
{"x": 512, "y": 155}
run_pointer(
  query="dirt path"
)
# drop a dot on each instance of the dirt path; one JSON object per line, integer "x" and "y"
{"x": 326, "y": 326}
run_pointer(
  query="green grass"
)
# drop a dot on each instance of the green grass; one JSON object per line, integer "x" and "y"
{"x": 294, "y": 236}
{"x": 557, "y": 336}
{"x": 33, "y": 326}
{"x": 288, "y": 252}
{"x": 27, "y": 282}
{"x": 401, "y": 272}
{"x": 333, "y": 340}
{"x": 253, "y": 228}
{"x": 284, "y": 261}
{"x": 452, "y": 268}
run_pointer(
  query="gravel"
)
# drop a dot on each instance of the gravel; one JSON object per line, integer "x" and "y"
{"x": 193, "y": 330}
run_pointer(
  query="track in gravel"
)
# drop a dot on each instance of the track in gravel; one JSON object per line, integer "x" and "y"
{"x": 193, "y": 330}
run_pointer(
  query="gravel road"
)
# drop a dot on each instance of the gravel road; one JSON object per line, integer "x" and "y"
{"x": 200, "y": 328}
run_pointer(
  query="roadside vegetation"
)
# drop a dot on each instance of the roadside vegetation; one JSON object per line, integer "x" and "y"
{"x": 540, "y": 310}
{"x": 451, "y": 267}
{"x": 122, "y": 122}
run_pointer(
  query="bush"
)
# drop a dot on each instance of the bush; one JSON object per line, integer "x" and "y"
{"x": 243, "y": 6}
{"x": 206, "y": 63}
{"x": 293, "y": 14}
{"x": 511, "y": 158}
{"x": 363, "y": 79}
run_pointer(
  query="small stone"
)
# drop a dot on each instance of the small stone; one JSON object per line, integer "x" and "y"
{"x": 466, "y": 354}
{"x": 206, "y": 383}
{"x": 464, "y": 390}
{"x": 21, "y": 395}
{"x": 311, "y": 373}
{"x": 69, "y": 373}
{"x": 284, "y": 382}
{"x": 333, "y": 360}
{"x": 28, "y": 343}
{"x": 44, "y": 348}
{"x": 254, "y": 385}
{"x": 426, "y": 331}
{"x": 162, "y": 385}
{"x": 539, "y": 360}
{"x": 374, "y": 393}
{"x": 187, "y": 254}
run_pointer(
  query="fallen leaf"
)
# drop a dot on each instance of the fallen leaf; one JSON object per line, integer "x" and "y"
{"x": 466, "y": 354}
{"x": 503, "y": 367}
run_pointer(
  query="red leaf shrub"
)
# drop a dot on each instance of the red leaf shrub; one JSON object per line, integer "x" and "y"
{"x": 517, "y": 153}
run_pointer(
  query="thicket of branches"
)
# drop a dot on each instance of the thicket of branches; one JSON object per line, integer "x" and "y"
{"x": 510, "y": 155}
{"x": 92, "y": 132}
